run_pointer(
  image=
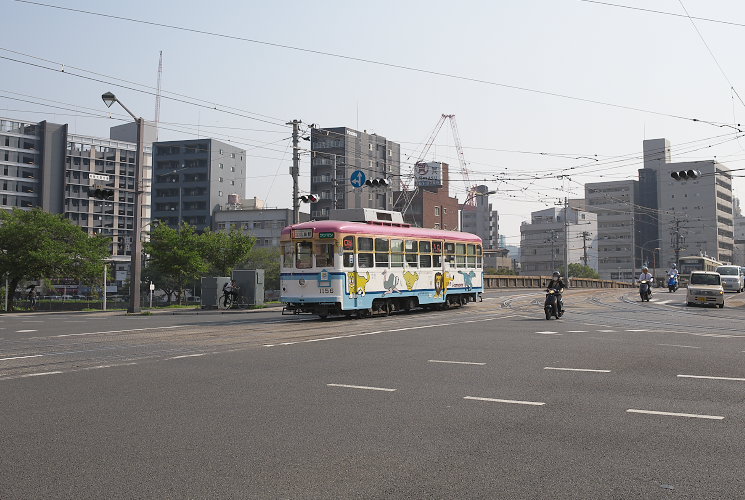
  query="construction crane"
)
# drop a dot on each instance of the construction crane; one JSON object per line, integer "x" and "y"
{"x": 157, "y": 95}
{"x": 408, "y": 196}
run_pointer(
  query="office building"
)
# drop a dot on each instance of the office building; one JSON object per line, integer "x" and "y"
{"x": 253, "y": 218}
{"x": 477, "y": 217}
{"x": 545, "y": 239}
{"x": 695, "y": 216}
{"x": 336, "y": 154}
{"x": 193, "y": 178}
{"x": 620, "y": 252}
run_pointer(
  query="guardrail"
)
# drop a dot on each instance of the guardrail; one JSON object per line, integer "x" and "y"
{"x": 503, "y": 281}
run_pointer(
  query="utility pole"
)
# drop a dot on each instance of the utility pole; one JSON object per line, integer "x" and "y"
{"x": 677, "y": 239}
{"x": 566, "y": 239}
{"x": 552, "y": 239}
{"x": 295, "y": 171}
{"x": 584, "y": 235}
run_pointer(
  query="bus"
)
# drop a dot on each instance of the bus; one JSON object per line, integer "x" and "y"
{"x": 345, "y": 268}
{"x": 695, "y": 263}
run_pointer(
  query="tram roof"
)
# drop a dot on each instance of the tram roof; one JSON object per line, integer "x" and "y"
{"x": 346, "y": 227}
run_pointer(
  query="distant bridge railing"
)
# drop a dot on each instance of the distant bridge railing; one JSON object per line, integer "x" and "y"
{"x": 505, "y": 281}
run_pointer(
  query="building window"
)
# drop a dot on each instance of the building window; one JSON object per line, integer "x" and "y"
{"x": 444, "y": 210}
{"x": 437, "y": 211}
{"x": 232, "y": 183}
{"x": 219, "y": 193}
{"x": 369, "y": 146}
{"x": 222, "y": 166}
{"x": 221, "y": 151}
{"x": 219, "y": 179}
{"x": 437, "y": 225}
{"x": 232, "y": 155}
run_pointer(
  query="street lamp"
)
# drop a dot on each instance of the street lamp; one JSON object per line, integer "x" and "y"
{"x": 135, "y": 272}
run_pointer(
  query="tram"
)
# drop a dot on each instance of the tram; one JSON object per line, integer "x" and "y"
{"x": 376, "y": 266}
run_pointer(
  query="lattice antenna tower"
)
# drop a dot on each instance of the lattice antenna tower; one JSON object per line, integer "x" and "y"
{"x": 157, "y": 95}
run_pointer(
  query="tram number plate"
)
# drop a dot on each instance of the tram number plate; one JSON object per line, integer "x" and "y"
{"x": 326, "y": 290}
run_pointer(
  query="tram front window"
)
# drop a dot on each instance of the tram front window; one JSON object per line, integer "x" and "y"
{"x": 303, "y": 255}
{"x": 324, "y": 255}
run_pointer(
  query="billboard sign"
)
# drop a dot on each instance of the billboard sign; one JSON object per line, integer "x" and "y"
{"x": 428, "y": 174}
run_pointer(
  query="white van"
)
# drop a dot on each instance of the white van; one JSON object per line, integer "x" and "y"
{"x": 732, "y": 278}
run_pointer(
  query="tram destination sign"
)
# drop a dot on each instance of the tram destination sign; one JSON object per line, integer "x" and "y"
{"x": 326, "y": 235}
{"x": 302, "y": 233}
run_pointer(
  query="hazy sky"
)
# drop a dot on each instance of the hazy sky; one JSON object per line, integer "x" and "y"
{"x": 522, "y": 73}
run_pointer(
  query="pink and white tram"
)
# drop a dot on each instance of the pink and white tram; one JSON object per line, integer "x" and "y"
{"x": 342, "y": 268}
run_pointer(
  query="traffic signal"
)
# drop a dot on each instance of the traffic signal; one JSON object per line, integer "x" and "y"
{"x": 684, "y": 175}
{"x": 309, "y": 198}
{"x": 378, "y": 182}
{"x": 101, "y": 193}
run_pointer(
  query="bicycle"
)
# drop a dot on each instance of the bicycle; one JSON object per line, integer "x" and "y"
{"x": 230, "y": 301}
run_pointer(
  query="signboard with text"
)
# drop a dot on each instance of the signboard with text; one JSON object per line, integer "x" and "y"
{"x": 428, "y": 174}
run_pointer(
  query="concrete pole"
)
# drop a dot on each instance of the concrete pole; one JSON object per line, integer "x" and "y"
{"x": 295, "y": 171}
{"x": 136, "y": 268}
{"x": 105, "y": 271}
{"x": 6, "y": 292}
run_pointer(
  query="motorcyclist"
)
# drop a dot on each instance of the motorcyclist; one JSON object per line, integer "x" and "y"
{"x": 557, "y": 284}
{"x": 673, "y": 272}
{"x": 646, "y": 276}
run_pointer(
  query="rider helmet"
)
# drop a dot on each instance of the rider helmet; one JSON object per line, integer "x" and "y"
{"x": 675, "y": 266}
{"x": 645, "y": 269}
{"x": 556, "y": 274}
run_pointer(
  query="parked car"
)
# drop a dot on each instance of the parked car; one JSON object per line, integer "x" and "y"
{"x": 705, "y": 287}
{"x": 732, "y": 278}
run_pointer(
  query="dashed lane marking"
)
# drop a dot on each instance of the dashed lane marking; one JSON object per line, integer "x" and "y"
{"x": 455, "y": 362}
{"x": 712, "y": 378}
{"x": 678, "y": 345}
{"x": 187, "y": 356}
{"x": 637, "y": 330}
{"x": 547, "y": 332}
{"x": 509, "y": 401}
{"x": 39, "y": 374}
{"x": 384, "y": 389}
{"x": 575, "y": 369}
{"x": 606, "y": 331}
{"x": 673, "y": 414}
{"x": 26, "y": 331}
{"x": 577, "y": 331}
{"x": 23, "y": 357}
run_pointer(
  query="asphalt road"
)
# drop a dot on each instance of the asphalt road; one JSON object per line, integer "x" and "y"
{"x": 618, "y": 399}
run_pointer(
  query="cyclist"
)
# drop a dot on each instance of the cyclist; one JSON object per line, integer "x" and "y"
{"x": 230, "y": 293}
{"x": 31, "y": 296}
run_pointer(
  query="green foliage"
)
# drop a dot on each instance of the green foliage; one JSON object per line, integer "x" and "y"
{"x": 581, "y": 271}
{"x": 267, "y": 259}
{"x": 177, "y": 257}
{"x": 35, "y": 244}
{"x": 226, "y": 251}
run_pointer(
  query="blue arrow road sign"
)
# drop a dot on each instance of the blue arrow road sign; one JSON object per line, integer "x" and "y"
{"x": 358, "y": 178}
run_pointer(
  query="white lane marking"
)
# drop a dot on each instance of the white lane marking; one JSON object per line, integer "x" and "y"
{"x": 678, "y": 345}
{"x": 672, "y": 414}
{"x": 38, "y": 374}
{"x": 550, "y": 333}
{"x": 115, "y": 331}
{"x": 455, "y": 362}
{"x": 712, "y": 378}
{"x": 577, "y": 331}
{"x": 637, "y": 330}
{"x": 663, "y": 302}
{"x": 510, "y": 401}
{"x": 26, "y": 331}
{"x": 23, "y": 357}
{"x": 575, "y": 369}
{"x": 32, "y": 321}
{"x": 606, "y": 331}
{"x": 362, "y": 387}
{"x": 187, "y": 356}
{"x": 547, "y": 331}
{"x": 108, "y": 366}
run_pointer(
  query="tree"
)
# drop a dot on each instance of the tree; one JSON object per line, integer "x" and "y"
{"x": 582, "y": 271}
{"x": 178, "y": 255}
{"x": 35, "y": 244}
{"x": 267, "y": 259}
{"x": 226, "y": 251}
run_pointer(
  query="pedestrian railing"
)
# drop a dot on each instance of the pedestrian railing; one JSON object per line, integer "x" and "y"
{"x": 499, "y": 281}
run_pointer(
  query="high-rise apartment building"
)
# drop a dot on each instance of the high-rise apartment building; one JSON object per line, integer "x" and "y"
{"x": 43, "y": 165}
{"x": 193, "y": 178}
{"x": 339, "y": 152}
{"x": 479, "y": 218}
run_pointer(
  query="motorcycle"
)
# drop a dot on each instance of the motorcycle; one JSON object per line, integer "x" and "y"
{"x": 672, "y": 284}
{"x": 551, "y": 306}
{"x": 645, "y": 291}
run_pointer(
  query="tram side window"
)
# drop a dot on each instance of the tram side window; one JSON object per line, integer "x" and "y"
{"x": 348, "y": 259}
{"x": 437, "y": 261}
{"x": 425, "y": 260}
{"x": 365, "y": 260}
{"x": 303, "y": 255}
{"x": 324, "y": 254}
{"x": 288, "y": 256}
{"x": 365, "y": 244}
{"x": 348, "y": 243}
{"x": 411, "y": 246}
{"x": 436, "y": 247}
{"x": 397, "y": 253}
{"x": 381, "y": 259}
{"x": 449, "y": 248}
{"x": 460, "y": 258}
